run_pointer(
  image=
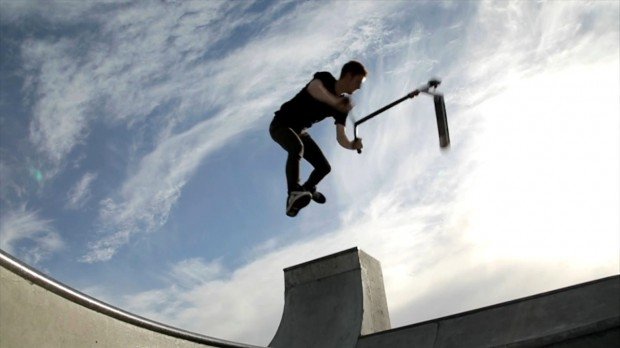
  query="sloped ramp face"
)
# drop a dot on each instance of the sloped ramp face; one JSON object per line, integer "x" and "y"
{"x": 331, "y": 301}
{"x": 37, "y": 311}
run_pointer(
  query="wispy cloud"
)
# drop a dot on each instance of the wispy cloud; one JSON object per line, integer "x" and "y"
{"x": 252, "y": 83}
{"x": 24, "y": 234}
{"x": 120, "y": 74}
{"x": 510, "y": 202}
{"x": 53, "y": 11}
{"x": 61, "y": 114}
{"x": 195, "y": 271}
{"x": 80, "y": 193}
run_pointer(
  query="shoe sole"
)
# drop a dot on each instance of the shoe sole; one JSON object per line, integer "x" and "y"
{"x": 292, "y": 212}
{"x": 298, "y": 205}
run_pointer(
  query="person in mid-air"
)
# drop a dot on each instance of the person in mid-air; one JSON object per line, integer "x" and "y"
{"x": 322, "y": 97}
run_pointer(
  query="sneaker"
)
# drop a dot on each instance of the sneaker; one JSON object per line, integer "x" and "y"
{"x": 297, "y": 200}
{"x": 318, "y": 197}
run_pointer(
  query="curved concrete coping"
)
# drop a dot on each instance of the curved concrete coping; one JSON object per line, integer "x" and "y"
{"x": 31, "y": 275}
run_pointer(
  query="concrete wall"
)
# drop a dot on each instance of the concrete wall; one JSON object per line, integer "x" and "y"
{"x": 586, "y": 315}
{"x": 336, "y": 301}
{"x": 36, "y": 311}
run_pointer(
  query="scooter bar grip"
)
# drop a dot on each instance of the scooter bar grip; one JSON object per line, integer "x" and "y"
{"x": 355, "y": 136}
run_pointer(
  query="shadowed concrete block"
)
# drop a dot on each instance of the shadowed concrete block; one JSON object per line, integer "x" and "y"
{"x": 584, "y": 315}
{"x": 331, "y": 301}
{"x": 418, "y": 336}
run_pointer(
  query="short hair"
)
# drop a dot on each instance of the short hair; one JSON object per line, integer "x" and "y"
{"x": 354, "y": 68}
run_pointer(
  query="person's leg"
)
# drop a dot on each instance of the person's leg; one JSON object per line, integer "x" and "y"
{"x": 313, "y": 154}
{"x": 292, "y": 144}
{"x": 290, "y": 141}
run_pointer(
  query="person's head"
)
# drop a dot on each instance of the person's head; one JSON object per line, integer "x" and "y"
{"x": 352, "y": 75}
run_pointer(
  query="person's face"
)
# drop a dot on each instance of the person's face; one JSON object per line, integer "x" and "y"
{"x": 353, "y": 83}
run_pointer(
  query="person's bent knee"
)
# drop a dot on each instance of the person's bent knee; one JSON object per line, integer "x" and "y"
{"x": 326, "y": 168}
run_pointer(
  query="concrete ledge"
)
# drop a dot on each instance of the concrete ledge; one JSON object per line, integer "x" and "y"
{"x": 328, "y": 266}
{"x": 543, "y": 319}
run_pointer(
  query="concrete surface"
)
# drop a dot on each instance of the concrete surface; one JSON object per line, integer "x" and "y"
{"x": 337, "y": 301}
{"x": 36, "y": 311}
{"x": 585, "y": 315}
{"x": 331, "y": 301}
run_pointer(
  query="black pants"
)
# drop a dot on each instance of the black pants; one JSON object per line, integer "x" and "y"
{"x": 298, "y": 146}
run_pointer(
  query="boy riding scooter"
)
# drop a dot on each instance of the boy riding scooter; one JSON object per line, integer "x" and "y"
{"x": 322, "y": 97}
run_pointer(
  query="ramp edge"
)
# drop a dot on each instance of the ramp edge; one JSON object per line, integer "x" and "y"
{"x": 30, "y": 274}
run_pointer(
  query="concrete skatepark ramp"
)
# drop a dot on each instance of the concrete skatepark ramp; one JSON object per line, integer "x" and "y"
{"x": 37, "y": 311}
{"x": 331, "y": 301}
{"x": 339, "y": 301}
{"x": 335, "y": 301}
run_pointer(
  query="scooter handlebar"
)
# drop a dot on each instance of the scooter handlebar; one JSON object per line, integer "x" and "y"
{"x": 433, "y": 83}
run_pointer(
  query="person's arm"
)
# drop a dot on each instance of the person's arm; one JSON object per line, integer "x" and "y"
{"x": 320, "y": 93}
{"x": 343, "y": 140}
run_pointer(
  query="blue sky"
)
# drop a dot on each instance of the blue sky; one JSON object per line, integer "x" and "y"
{"x": 136, "y": 164}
